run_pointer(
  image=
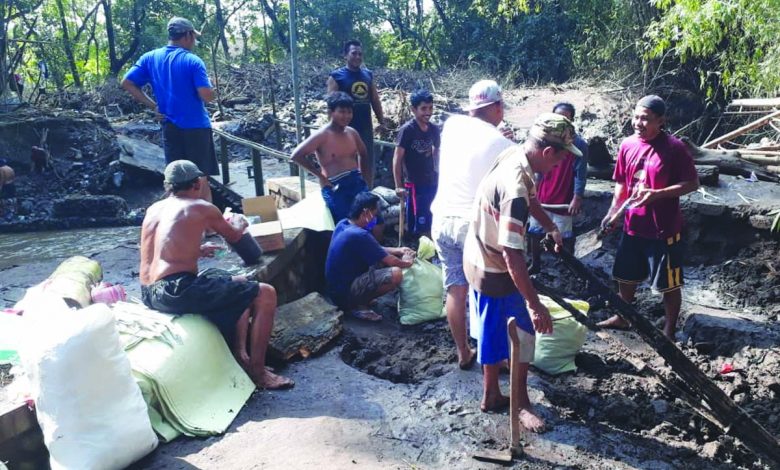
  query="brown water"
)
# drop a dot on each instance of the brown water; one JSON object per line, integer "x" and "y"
{"x": 17, "y": 249}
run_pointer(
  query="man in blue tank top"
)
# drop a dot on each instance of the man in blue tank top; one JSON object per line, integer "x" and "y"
{"x": 181, "y": 87}
{"x": 358, "y": 83}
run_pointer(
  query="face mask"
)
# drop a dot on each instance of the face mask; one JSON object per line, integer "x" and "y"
{"x": 371, "y": 224}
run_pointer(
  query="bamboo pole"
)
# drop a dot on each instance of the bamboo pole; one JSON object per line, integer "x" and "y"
{"x": 742, "y": 130}
{"x": 756, "y": 102}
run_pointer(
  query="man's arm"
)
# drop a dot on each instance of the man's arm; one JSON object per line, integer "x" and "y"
{"x": 646, "y": 195}
{"x": 207, "y": 94}
{"x": 306, "y": 148}
{"x": 332, "y": 85}
{"x": 376, "y": 105}
{"x": 396, "y": 262}
{"x": 538, "y": 213}
{"x": 518, "y": 271}
{"x": 621, "y": 193}
{"x": 362, "y": 154}
{"x": 217, "y": 223}
{"x": 580, "y": 180}
{"x": 398, "y": 170}
{"x": 138, "y": 94}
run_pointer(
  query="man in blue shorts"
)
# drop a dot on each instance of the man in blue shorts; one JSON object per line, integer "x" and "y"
{"x": 181, "y": 87}
{"x": 494, "y": 259}
{"x": 358, "y": 268}
{"x": 341, "y": 156}
{"x": 417, "y": 152}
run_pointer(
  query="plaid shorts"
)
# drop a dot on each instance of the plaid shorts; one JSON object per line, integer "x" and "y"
{"x": 364, "y": 286}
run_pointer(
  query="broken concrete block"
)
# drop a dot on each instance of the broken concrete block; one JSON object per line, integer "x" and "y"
{"x": 706, "y": 208}
{"x": 761, "y": 222}
{"x": 708, "y": 174}
{"x": 304, "y": 327}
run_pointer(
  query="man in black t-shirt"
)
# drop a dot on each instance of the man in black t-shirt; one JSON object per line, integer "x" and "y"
{"x": 417, "y": 151}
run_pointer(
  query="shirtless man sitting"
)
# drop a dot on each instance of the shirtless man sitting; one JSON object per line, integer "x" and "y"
{"x": 341, "y": 154}
{"x": 171, "y": 237}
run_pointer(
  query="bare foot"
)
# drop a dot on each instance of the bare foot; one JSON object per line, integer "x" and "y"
{"x": 531, "y": 421}
{"x": 614, "y": 322}
{"x": 469, "y": 361}
{"x": 494, "y": 405}
{"x": 269, "y": 381}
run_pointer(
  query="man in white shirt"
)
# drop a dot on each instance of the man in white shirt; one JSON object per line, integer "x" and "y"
{"x": 469, "y": 147}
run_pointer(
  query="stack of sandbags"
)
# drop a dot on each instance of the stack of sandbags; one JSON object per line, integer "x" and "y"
{"x": 88, "y": 405}
{"x": 186, "y": 372}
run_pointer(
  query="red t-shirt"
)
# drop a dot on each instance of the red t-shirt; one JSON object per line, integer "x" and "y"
{"x": 658, "y": 163}
{"x": 557, "y": 185}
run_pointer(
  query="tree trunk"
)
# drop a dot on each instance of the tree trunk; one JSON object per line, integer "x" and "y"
{"x": 116, "y": 63}
{"x": 276, "y": 24}
{"x": 4, "y": 10}
{"x": 728, "y": 162}
{"x": 221, "y": 29}
{"x": 67, "y": 45}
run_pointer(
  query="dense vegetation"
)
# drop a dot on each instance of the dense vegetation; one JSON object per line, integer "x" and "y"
{"x": 723, "y": 47}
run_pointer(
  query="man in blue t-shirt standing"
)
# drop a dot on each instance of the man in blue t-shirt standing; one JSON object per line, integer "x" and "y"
{"x": 358, "y": 83}
{"x": 417, "y": 151}
{"x": 358, "y": 268}
{"x": 181, "y": 86}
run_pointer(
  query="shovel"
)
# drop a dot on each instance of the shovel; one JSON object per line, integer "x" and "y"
{"x": 506, "y": 456}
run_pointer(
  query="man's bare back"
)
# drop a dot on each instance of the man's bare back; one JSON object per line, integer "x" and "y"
{"x": 171, "y": 236}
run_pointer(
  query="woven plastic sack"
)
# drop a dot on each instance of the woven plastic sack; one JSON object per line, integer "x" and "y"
{"x": 421, "y": 290}
{"x": 88, "y": 405}
{"x": 555, "y": 353}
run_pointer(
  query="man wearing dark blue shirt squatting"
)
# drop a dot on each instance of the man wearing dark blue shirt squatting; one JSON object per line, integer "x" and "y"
{"x": 181, "y": 86}
{"x": 358, "y": 82}
{"x": 358, "y": 268}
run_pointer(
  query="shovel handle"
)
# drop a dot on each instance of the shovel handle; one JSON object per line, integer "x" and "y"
{"x": 514, "y": 384}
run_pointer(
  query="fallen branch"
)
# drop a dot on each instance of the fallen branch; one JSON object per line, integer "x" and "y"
{"x": 729, "y": 162}
{"x": 758, "y": 158}
{"x": 756, "y": 103}
{"x": 742, "y": 130}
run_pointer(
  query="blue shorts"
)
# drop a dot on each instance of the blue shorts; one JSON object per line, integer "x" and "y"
{"x": 418, "y": 207}
{"x": 339, "y": 197}
{"x": 488, "y": 324}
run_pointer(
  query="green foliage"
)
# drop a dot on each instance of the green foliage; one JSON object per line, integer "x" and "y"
{"x": 737, "y": 37}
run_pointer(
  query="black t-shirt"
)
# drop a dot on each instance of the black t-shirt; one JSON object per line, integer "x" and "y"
{"x": 418, "y": 147}
{"x": 357, "y": 84}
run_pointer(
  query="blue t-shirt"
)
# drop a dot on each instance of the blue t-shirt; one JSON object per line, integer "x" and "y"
{"x": 352, "y": 251}
{"x": 357, "y": 84}
{"x": 175, "y": 74}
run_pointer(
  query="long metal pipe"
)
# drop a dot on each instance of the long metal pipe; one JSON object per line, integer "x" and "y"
{"x": 296, "y": 89}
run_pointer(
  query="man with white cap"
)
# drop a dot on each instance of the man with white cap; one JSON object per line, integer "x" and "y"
{"x": 182, "y": 87}
{"x": 171, "y": 235}
{"x": 469, "y": 147}
{"x": 653, "y": 170}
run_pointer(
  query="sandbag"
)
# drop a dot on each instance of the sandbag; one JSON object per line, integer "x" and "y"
{"x": 421, "y": 291}
{"x": 73, "y": 280}
{"x": 554, "y": 353}
{"x": 88, "y": 405}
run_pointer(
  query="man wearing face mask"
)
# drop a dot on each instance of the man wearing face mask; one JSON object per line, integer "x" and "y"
{"x": 181, "y": 87}
{"x": 358, "y": 268}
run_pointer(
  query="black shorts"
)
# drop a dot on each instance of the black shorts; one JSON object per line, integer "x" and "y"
{"x": 661, "y": 260}
{"x": 212, "y": 294}
{"x": 195, "y": 145}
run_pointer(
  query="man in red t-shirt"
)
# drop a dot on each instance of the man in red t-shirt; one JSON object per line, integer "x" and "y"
{"x": 653, "y": 170}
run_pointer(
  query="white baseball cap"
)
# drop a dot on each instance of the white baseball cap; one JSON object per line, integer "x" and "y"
{"x": 483, "y": 93}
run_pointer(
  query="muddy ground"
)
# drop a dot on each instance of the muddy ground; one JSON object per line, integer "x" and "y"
{"x": 389, "y": 396}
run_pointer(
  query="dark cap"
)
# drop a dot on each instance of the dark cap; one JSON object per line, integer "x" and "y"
{"x": 179, "y": 25}
{"x": 654, "y": 103}
{"x": 181, "y": 171}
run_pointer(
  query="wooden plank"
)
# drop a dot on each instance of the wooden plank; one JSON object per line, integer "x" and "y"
{"x": 756, "y": 103}
{"x": 304, "y": 327}
{"x": 723, "y": 408}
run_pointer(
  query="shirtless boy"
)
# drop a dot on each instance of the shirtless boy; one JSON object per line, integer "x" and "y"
{"x": 341, "y": 155}
{"x": 171, "y": 237}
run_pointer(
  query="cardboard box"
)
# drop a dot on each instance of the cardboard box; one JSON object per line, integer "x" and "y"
{"x": 268, "y": 233}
